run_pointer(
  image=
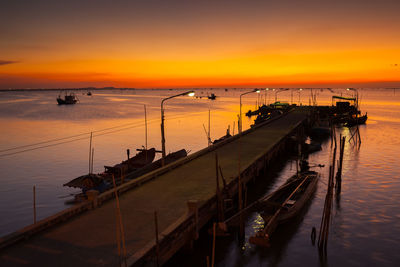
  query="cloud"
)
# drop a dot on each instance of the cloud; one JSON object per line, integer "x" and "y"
{"x": 6, "y": 62}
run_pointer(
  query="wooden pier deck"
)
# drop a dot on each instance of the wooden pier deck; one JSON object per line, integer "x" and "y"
{"x": 89, "y": 238}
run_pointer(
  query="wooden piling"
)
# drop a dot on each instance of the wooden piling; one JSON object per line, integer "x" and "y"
{"x": 241, "y": 228}
{"x": 213, "y": 247}
{"x": 209, "y": 127}
{"x": 91, "y": 165}
{"x": 220, "y": 212}
{"x": 120, "y": 227}
{"x": 90, "y": 149}
{"x": 157, "y": 241}
{"x": 34, "y": 204}
{"x": 145, "y": 127}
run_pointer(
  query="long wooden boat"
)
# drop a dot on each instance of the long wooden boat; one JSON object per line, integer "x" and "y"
{"x": 104, "y": 181}
{"x": 171, "y": 157}
{"x": 284, "y": 204}
{"x": 141, "y": 159}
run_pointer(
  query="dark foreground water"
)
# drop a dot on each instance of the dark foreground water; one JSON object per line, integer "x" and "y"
{"x": 365, "y": 226}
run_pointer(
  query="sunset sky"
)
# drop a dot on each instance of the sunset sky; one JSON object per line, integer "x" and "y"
{"x": 169, "y": 43}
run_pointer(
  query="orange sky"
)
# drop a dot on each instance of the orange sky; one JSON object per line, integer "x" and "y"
{"x": 179, "y": 44}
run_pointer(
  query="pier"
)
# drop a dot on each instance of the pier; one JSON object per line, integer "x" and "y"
{"x": 183, "y": 194}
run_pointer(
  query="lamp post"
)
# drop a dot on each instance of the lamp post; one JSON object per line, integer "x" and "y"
{"x": 356, "y": 94}
{"x": 189, "y": 93}
{"x": 240, "y": 112}
{"x": 278, "y": 91}
{"x": 291, "y": 97}
{"x": 299, "y": 94}
{"x": 266, "y": 94}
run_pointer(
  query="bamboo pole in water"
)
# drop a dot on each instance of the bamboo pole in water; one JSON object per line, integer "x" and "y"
{"x": 219, "y": 208}
{"x": 213, "y": 247}
{"x": 157, "y": 241}
{"x": 34, "y": 204}
{"x": 120, "y": 231}
{"x": 145, "y": 127}
{"x": 241, "y": 229}
{"x": 209, "y": 127}
{"x": 91, "y": 168}
{"x": 90, "y": 149}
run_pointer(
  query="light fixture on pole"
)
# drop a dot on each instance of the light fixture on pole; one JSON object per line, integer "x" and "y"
{"x": 278, "y": 91}
{"x": 266, "y": 95}
{"x": 189, "y": 93}
{"x": 356, "y": 94}
{"x": 240, "y": 111}
{"x": 299, "y": 95}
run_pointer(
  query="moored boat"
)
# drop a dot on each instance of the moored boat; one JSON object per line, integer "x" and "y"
{"x": 284, "y": 204}
{"x": 138, "y": 166}
{"x": 141, "y": 159}
{"x": 68, "y": 99}
{"x": 355, "y": 120}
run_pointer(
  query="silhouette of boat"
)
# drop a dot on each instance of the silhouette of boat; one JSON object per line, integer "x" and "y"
{"x": 130, "y": 169}
{"x": 212, "y": 96}
{"x": 284, "y": 204}
{"x": 68, "y": 99}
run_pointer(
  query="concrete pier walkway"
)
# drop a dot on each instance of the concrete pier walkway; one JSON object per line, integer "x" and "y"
{"x": 89, "y": 239}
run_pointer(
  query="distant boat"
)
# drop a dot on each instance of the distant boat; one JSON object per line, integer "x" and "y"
{"x": 68, "y": 99}
{"x": 212, "y": 96}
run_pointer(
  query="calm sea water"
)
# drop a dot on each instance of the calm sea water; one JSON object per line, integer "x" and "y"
{"x": 365, "y": 228}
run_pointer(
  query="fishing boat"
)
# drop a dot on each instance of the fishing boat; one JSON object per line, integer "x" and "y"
{"x": 171, "y": 157}
{"x": 212, "y": 96}
{"x": 104, "y": 181}
{"x": 141, "y": 159}
{"x": 266, "y": 116}
{"x": 355, "y": 120}
{"x": 68, "y": 99}
{"x": 284, "y": 204}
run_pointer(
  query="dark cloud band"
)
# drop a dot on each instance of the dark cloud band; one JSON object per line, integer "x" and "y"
{"x": 6, "y": 62}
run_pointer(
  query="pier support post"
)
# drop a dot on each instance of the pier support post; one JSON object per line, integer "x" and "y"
{"x": 92, "y": 196}
{"x": 34, "y": 204}
{"x": 193, "y": 207}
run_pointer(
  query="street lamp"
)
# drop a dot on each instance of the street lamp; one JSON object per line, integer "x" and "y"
{"x": 280, "y": 90}
{"x": 189, "y": 93}
{"x": 266, "y": 94}
{"x": 240, "y": 112}
{"x": 299, "y": 94}
{"x": 356, "y": 94}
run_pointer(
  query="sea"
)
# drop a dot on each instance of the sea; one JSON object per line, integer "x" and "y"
{"x": 44, "y": 145}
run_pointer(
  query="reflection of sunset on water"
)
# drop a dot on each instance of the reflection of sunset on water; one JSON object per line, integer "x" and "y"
{"x": 116, "y": 118}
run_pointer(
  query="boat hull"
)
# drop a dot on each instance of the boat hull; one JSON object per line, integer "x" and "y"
{"x": 284, "y": 204}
